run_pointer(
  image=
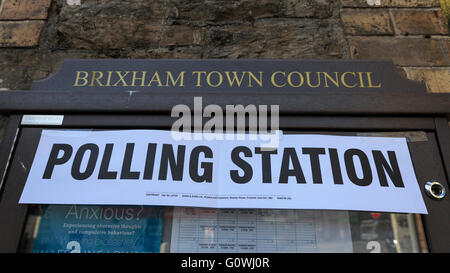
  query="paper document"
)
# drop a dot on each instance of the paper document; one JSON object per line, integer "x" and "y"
{"x": 259, "y": 230}
{"x": 152, "y": 167}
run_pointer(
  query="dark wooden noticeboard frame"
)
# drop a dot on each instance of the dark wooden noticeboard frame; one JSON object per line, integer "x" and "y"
{"x": 321, "y": 111}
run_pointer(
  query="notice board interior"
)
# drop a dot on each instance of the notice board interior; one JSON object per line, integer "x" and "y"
{"x": 419, "y": 116}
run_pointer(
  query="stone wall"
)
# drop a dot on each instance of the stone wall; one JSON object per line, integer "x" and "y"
{"x": 163, "y": 29}
{"x": 36, "y": 35}
{"x": 413, "y": 33}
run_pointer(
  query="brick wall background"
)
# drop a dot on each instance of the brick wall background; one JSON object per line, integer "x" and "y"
{"x": 413, "y": 33}
{"x": 36, "y": 35}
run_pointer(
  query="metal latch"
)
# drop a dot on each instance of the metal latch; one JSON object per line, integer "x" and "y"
{"x": 435, "y": 190}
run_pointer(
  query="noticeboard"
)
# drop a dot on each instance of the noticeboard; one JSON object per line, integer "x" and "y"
{"x": 104, "y": 172}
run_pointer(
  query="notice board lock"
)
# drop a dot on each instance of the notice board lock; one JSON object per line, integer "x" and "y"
{"x": 435, "y": 190}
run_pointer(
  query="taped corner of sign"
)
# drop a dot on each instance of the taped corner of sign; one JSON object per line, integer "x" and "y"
{"x": 63, "y": 132}
{"x": 419, "y": 209}
{"x": 424, "y": 210}
{"x": 271, "y": 140}
{"x": 412, "y": 136}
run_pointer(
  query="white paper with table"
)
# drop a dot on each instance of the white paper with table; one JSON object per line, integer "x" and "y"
{"x": 259, "y": 230}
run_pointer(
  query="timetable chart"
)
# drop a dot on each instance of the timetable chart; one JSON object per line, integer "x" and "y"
{"x": 259, "y": 230}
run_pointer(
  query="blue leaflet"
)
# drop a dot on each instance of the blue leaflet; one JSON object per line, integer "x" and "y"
{"x": 82, "y": 229}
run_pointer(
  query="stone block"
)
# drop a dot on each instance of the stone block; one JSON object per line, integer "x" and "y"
{"x": 402, "y": 51}
{"x": 390, "y": 3}
{"x": 20, "y": 33}
{"x": 24, "y": 9}
{"x": 366, "y": 22}
{"x": 421, "y": 22}
{"x": 436, "y": 80}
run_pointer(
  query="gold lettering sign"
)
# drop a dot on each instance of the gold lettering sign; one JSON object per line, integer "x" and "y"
{"x": 234, "y": 79}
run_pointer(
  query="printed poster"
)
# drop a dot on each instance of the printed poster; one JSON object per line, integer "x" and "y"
{"x": 200, "y": 230}
{"x": 99, "y": 229}
{"x": 154, "y": 167}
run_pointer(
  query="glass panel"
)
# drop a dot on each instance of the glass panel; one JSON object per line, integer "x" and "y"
{"x": 76, "y": 228}
{"x": 387, "y": 233}
{"x": 58, "y": 228}
{"x": 3, "y": 120}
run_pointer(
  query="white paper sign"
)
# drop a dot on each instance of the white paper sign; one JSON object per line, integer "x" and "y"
{"x": 150, "y": 167}
{"x": 200, "y": 230}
